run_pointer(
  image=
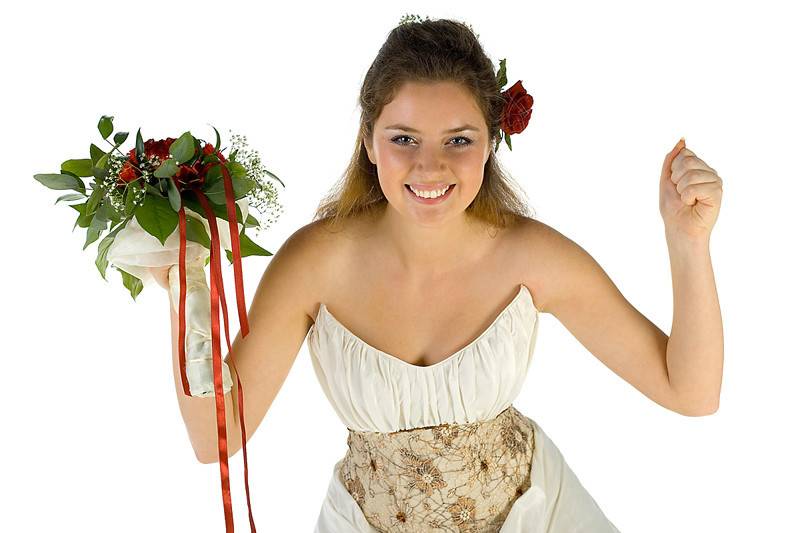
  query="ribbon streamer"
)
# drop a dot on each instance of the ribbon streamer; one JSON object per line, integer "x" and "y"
{"x": 217, "y": 292}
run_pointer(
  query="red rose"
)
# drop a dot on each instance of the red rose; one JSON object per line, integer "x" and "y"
{"x": 128, "y": 173}
{"x": 517, "y": 111}
{"x": 152, "y": 148}
{"x": 208, "y": 149}
{"x": 189, "y": 177}
{"x": 159, "y": 149}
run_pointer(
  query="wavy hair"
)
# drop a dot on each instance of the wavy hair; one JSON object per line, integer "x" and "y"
{"x": 426, "y": 51}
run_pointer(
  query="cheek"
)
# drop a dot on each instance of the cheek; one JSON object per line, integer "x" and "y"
{"x": 468, "y": 169}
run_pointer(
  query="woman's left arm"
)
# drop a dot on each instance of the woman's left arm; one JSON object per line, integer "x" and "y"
{"x": 689, "y": 200}
{"x": 682, "y": 371}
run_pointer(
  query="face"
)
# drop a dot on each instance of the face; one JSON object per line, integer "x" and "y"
{"x": 418, "y": 142}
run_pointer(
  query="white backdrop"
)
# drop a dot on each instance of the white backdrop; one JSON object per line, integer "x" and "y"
{"x": 93, "y": 439}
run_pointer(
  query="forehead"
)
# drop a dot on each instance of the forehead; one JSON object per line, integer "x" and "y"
{"x": 431, "y": 106}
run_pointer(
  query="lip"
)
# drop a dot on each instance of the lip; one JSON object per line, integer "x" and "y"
{"x": 429, "y": 201}
{"x": 430, "y": 186}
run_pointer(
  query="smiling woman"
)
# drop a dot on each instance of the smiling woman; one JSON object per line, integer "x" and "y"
{"x": 442, "y": 447}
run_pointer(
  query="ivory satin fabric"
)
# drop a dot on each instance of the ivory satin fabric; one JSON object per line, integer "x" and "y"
{"x": 371, "y": 390}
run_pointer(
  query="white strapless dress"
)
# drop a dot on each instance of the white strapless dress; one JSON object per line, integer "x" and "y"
{"x": 373, "y": 391}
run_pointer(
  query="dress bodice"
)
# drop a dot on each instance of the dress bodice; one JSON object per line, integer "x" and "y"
{"x": 372, "y": 390}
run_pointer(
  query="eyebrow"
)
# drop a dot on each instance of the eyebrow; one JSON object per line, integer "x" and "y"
{"x": 412, "y": 130}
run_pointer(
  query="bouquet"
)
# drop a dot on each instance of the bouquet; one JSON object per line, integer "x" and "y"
{"x": 162, "y": 203}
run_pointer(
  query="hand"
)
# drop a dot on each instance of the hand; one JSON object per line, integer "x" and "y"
{"x": 161, "y": 275}
{"x": 690, "y": 194}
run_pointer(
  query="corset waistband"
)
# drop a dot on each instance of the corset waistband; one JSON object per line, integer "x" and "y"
{"x": 465, "y": 476}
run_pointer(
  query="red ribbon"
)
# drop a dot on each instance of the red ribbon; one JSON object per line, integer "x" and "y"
{"x": 218, "y": 292}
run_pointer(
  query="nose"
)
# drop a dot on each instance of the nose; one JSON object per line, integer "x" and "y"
{"x": 429, "y": 160}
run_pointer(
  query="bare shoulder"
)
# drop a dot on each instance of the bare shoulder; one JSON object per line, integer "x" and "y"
{"x": 304, "y": 262}
{"x": 552, "y": 260}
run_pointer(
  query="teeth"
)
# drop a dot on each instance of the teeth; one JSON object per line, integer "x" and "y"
{"x": 429, "y": 194}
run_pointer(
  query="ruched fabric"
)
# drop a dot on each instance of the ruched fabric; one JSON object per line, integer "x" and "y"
{"x": 375, "y": 392}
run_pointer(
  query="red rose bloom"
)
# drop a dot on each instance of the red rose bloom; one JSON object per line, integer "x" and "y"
{"x": 189, "y": 177}
{"x": 208, "y": 149}
{"x": 128, "y": 173}
{"x": 159, "y": 149}
{"x": 517, "y": 112}
{"x": 153, "y": 148}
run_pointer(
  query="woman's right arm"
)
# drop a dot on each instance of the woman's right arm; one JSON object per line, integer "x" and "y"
{"x": 278, "y": 324}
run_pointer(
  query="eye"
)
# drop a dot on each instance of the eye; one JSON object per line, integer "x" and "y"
{"x": 467, "y": 140}
{"x": 394, "y": 139}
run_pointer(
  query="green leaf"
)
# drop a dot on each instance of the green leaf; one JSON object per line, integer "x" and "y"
{"x": 95, "y": 153}
{"x": 166, "y": 169}
{"x": 213, "y": 174}
{"x": 79, "y": 167}
{"x": 102, "y": 254}
{"x": 196, "y": 232}
{"x": 61, "y": 182}
{"x": 152, "y": 191}
{"x": 508, "y": 140}
{"x": 120, "y": 137}
{"x": 216, "y": 145}
{"x": 105, "y": 126}
{"x": 139, "y": 145}
{"x": 247, "y": 247}
{"x": 197, "y": 154}
{"x": 501, "y": 75}
{"x": 220, "y": 211}
{"x": 130, "y": 196}
{"x": 174, "y": 195}
{"x": 102, "y": 249}
{"x": 251, "y": 221}
{"x": 69, "y": 197}
{"x": 157, "y": 217}
{"x": 97, "y": 226}
{"x": 183, "y": 148}
{"x": 82, "y": 220}
{"x": 275, "y": 177}
{"x": 94, "y": 200}
{"x": 100, "y": 174}
{"x": 101, "y": 162}
{"x": 132, "y": 283}
{"x": 236, "y": 170}
{"x": 216, "y": 192}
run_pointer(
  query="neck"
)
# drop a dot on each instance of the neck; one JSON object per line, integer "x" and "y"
{"x": 428, "y": 252}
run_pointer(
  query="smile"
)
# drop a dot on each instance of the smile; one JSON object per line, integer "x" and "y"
{"x": 431, "y": 197}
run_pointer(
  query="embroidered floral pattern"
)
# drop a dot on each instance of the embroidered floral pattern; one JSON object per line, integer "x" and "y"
{"x": 460, "y": 478}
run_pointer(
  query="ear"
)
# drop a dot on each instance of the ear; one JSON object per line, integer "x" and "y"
{"x": 489, "y": 150}
{"x": 368, "y": 147}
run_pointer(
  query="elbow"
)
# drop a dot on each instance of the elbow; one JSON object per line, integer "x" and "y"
{"x": 695, "y": 409}
{"x": 208, "y": 459}
{"x": 205, "y": 459}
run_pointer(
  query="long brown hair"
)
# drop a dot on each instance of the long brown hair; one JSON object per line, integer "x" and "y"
{"x": 426, "y": 51}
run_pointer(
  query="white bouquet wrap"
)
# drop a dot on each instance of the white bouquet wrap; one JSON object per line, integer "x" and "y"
{"x": 134, "y": 250}
{"x": 199, "y": 363}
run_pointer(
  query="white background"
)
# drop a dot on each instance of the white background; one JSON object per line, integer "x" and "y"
{"x": 92, "y": 436}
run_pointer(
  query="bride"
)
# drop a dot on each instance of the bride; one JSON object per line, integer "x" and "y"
{"x": 419, "y": 286}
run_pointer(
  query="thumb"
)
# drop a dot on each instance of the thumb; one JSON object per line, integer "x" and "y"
{"x": 666, "y": 168}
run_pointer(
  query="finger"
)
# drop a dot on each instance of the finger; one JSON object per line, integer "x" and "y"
{"x": 693, "y": 176}
{"x": 666, "y": 168}
{"x": 700, "y": 192}
{"x": 684, "y": 162}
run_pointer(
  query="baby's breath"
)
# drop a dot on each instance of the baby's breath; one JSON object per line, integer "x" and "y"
{"x": 116, "y": 195}
{"x": 405, "y": 19}
{"x": 264, "y": 196}
{"x": 408, "y": 18}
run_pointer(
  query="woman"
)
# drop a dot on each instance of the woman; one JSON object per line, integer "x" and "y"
{"x": 423, "y": 314}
